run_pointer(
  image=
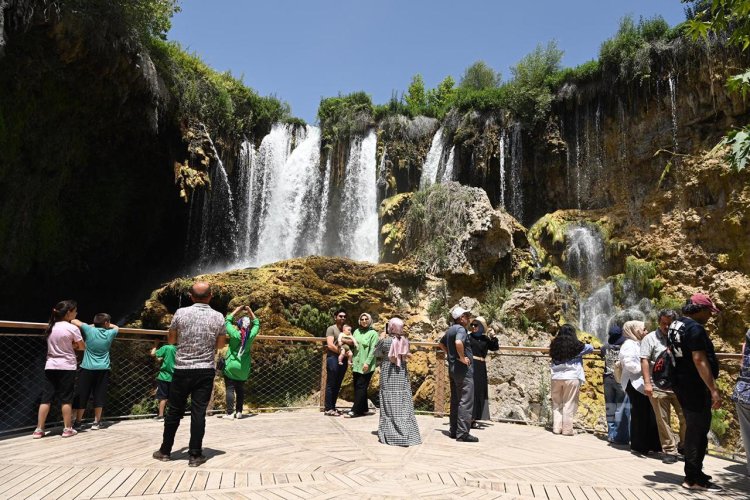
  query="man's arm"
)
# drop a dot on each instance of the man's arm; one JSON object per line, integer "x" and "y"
{"x": 704, "y": 370}
{"x": 331, "y": 344}
{"x": 221, "y": 341}
{"x": 646, "y": 369}
{"x": 460, "y": 351}
{"x": 172, "y": 336}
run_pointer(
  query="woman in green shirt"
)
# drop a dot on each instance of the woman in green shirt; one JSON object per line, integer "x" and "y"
{"x": 363, "y": 363}
{"x": 237, "y": 364}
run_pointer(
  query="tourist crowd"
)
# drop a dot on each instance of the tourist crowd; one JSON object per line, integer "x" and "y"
{"x": 647, "y": 376}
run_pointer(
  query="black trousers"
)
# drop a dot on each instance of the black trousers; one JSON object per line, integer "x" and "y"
{"x": 334, "y": 376}
{"x": 235, "y": 391}
{"x": 696, "y": 407}
{"x": 462, "y": 400}
{"x": 361, "y": 383}
{"x": 197, "y": 384}
{"x": 644, "y": 434}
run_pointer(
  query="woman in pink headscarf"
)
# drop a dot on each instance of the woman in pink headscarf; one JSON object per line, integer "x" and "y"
{"x": 398, "y": 425}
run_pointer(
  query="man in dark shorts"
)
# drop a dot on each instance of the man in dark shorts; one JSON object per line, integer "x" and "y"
{"x": 456, "y": 344}
{"x": 199, "y": 331}
{"x": 93, "y": 379}
{"x": 696, "y": 369}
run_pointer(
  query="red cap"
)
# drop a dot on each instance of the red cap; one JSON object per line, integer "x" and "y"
{"x": 704, "y": 300}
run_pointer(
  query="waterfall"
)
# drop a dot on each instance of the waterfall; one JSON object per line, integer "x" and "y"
{"x": 501, "y": 148}
{"x": 578, "y": 162}
{"x": 323, "y": 219}
{"x": 212, "y": 217}
{"x": 257, "y": 177}
{"x": 284, "y": 203}
{"x": 293, "y": 197}
{"x": 358, "y": 223}
{"x": 448, "y": 171}
{"x": 584, "y": 258}
{"x": 584, "y": 255}
{"x": 432, "y": 161}
{"x": 516, "y": 164}
{"x": 596, "y": 310}
{"x": 673, "y": 102}
{"x": 246, "y": 180}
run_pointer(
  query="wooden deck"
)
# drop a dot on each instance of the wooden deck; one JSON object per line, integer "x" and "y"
{"x": 307, "y": 455}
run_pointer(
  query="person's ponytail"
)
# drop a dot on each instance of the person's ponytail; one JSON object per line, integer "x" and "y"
{"x": 59, "y": 312}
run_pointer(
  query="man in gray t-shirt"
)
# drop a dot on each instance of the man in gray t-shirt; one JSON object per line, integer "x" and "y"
{"x": 652, "y": 346}
{"x": 198, "y": 332}
{"x": 456, "y": 344}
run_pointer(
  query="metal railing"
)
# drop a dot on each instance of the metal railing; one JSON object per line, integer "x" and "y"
{"x": 289, "y": 373}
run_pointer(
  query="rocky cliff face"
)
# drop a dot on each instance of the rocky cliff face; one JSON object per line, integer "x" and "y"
{"x": 88, "y": 199}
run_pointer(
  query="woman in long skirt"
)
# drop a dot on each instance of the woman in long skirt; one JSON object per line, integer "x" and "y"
{"x": 482, "y": 342}
{"x": 398, "y": 424}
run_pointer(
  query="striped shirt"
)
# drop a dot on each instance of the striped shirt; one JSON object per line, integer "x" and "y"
{"x": 197, "y": 328}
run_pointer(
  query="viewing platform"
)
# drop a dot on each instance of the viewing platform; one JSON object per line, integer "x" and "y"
{"x": 304, "y": 454}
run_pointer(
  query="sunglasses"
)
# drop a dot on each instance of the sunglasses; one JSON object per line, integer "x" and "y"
{"x": 474, "y": 325}
{"x": 342, "y": 316}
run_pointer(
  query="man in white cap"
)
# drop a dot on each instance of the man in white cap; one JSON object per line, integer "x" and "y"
{"x": 696, "y": 370}
{"x": 456, "y": 344}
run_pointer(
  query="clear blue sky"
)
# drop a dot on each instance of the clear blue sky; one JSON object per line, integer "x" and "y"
{"x": 304, "y": 50}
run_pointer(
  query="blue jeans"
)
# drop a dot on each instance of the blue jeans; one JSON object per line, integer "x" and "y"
{"x": 618, "y": 412}
{"x": 334, "y": 376}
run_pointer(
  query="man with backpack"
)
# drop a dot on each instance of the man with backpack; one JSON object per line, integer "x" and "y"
{"x": 656, "y": 363}
{"x": 696, "y": 370}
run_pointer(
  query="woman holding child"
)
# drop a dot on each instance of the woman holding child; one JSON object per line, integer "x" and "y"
{"x": 398, "y": 425}
{"x": 363, "y": 363}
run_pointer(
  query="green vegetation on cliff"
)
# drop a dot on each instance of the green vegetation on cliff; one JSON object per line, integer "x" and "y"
{"x": 222, "y": 102}
{"x": 345, "y": 115}
{"x": 730, "y": 18}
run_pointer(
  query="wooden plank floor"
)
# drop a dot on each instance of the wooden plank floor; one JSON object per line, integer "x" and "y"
{"x": 303, "y": 455}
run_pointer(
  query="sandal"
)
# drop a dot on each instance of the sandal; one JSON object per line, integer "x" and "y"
{"x": 331, "y": 413}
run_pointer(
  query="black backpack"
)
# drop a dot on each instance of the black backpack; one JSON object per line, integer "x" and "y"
{"x": 663, "y": 372}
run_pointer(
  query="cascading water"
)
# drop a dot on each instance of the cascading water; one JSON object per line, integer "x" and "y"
{"x": 294, "y": 197}
{"x": 501, "y": 152}
{"x": 358, "y": 228}
{"x": 212, "y": 216}
{"x": 584, "y": 257}
{"x": 448, "y": 171}
{"x": 433, "y": 160}
{"x": 258, "y": 176}
{"x": 516, "y": 164}
{"x": 673, "y": 102}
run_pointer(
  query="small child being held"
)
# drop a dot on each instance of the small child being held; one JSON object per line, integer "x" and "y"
{"x": 345, "y": 351}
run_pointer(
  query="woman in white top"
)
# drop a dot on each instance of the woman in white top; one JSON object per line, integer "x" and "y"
{"x": 644, "y": 434}
{"x": 567, "y": 376}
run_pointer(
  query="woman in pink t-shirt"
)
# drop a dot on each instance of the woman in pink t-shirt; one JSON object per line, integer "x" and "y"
{"x": 63, "y": 338}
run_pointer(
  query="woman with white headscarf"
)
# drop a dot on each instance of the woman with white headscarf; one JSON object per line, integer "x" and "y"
{"x": 363, "y": 364}
{"x": 644, "y": 434}
{"x": 398, "y": 424}
{"x": 482, "y": 340}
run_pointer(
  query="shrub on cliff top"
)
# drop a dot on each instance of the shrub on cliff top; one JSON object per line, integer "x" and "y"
{"x": 628, "y": 54}
{"x": 343, "y": 116}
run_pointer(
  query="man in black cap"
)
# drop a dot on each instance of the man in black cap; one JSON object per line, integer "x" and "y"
{"x": 696, "y": 371}
{"x": 616, "y": 401}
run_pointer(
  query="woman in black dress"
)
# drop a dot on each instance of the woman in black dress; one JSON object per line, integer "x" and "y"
{"x": 482, "y": 341}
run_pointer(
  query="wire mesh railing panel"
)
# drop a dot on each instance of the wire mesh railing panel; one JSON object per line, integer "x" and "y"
{"x": 289, "y": 372}
{"x": 285, "y": 374}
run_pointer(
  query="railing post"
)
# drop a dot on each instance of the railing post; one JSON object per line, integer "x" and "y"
{"x": 439, "y": 395}
{"x": 323, "y": 379}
